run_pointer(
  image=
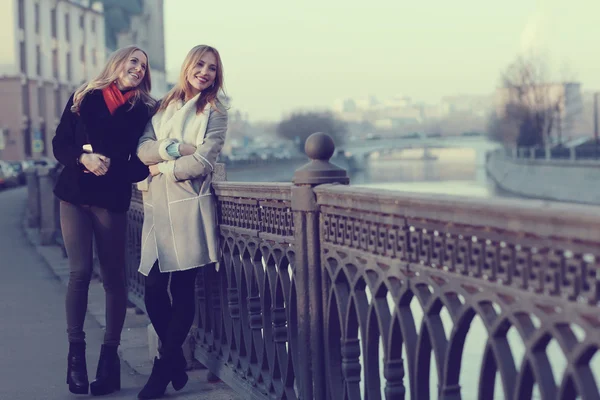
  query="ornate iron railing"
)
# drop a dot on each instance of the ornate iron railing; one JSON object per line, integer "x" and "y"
{"x": 247, "y": 306}
{"x": 135, "y": 280}
{"x": 335, "y": 292}
{"x": 508, "y": 263}
{"x": 588, "y": 154}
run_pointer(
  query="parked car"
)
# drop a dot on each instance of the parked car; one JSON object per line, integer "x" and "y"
{"x": 40, "y": 162}
{"x": 8, "y": 176}
{"x": 19, "y": 169}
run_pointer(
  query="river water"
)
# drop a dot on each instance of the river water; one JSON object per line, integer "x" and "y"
{"x": 451, "y": 171}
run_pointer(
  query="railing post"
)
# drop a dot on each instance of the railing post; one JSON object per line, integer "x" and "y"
{"x": 312, "y": 375}
{"x": 48, "y": 226}
{"x": 33, "y": 198}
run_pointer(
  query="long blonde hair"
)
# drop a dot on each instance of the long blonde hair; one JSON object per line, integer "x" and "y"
{"x": 183, "y": 87}
{"x": 110, "y": 73}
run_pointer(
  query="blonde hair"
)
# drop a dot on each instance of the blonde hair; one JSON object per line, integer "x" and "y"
{"x": 183, "y": 87}
{"x": 110, "y": 73}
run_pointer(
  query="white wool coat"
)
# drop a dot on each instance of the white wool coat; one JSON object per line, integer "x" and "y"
{"x": 180, "y": 219}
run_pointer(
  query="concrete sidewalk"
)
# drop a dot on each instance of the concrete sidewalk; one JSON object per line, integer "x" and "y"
{"x": 33, "y": 329}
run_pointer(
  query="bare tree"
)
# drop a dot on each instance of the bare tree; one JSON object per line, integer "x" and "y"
{"x": 299, "y": 126}
{"x": 532, "y": 106}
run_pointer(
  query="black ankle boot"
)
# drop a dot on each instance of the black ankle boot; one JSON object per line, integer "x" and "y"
{"x": 159, "y": 380}
{"x": 77, "y": 377}
{"x": 108, "y": 375}
{"x": 179, "y": 377}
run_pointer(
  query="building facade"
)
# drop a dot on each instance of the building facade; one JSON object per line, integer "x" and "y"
{"x": 140, "y": 23}
{"x": 50, "y": 48}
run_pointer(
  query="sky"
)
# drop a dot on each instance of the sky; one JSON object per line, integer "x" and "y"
{"x": 282, "y": 56}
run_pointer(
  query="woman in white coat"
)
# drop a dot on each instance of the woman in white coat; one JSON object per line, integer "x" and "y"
{"x": 181, "y": 145}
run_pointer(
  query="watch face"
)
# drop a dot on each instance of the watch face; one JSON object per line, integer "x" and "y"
{"x": 87, "y": 148}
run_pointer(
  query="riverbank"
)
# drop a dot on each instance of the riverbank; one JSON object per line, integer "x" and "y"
{"x": 555, "y": 180}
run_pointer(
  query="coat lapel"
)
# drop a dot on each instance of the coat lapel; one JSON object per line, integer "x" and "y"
{"x": 179, "y": 121}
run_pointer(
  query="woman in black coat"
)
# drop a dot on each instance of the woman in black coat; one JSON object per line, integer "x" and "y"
{"x": 96, "y": 142}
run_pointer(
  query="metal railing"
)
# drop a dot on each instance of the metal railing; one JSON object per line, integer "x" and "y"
{"x": 325, "y": 291}
{"x": 587, "y": 153}
{"x": 315, "y": 285}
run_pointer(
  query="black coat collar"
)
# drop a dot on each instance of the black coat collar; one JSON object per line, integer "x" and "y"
{"x": 106, "y": 132}
{"x": 94, "y": 108}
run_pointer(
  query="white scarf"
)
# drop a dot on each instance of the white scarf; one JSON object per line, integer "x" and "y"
{"x": 180, "y": 122}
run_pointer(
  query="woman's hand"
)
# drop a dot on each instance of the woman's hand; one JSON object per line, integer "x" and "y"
{"x": 97, "y": 164}
{"x": 154, "y": 170}
{"x": 186, "y": 149}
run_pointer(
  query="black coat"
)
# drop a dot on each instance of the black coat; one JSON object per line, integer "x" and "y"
{"x": 115, "y": 136}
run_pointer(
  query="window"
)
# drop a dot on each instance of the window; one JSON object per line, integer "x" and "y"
{"x": 82, "y": 53}
{"x": 94, "y": 60}
{"x": 82, "y": 21}
{"x": 27, "y": 138}
{"x": 38, "y": 61}
{"x": 53, "y": 22}
{"x": 41, "y": 101}
{"x": 22, "y": 14}
{"x": 57, "y": 103}
{"x": 23, "y": 56}
{"x": 93, "y": 25}
{"x": 67, "y": 27}
{"x": 26, "y": 114}
{"x": 55, "y": 63}
{"x": 37, "y": 17}
{"x": 69, "y": 71}
{"x": 43, "y": 138}
{"x": 25, "y": 99}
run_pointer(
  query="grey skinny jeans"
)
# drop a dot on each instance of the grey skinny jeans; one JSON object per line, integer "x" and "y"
{"x": 79, "y": 224}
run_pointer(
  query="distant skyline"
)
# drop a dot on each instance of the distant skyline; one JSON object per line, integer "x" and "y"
{"x": 279, "y": 56}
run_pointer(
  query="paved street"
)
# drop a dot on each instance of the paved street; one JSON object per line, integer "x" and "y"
{"x": 33, "y": 328}
{"x": 32, "y": 332}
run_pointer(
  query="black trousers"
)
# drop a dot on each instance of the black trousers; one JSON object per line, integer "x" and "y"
{"x": 171, "y": 320}
{"x": 79, "y": 224}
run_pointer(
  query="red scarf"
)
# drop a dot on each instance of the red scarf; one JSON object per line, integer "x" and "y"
{"x": 114, "y": 98}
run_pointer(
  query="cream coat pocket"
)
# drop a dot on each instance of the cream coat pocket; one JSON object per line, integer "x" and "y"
{"x": 148, "y": 231}
{"x": 192, "y": 228}
{"x": 182, "y": 190}
{"x": 143, "y": 185}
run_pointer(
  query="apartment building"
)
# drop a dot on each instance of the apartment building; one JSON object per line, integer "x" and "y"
{"x": 140, "y": 23}
{"x": 50, "y": 47}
